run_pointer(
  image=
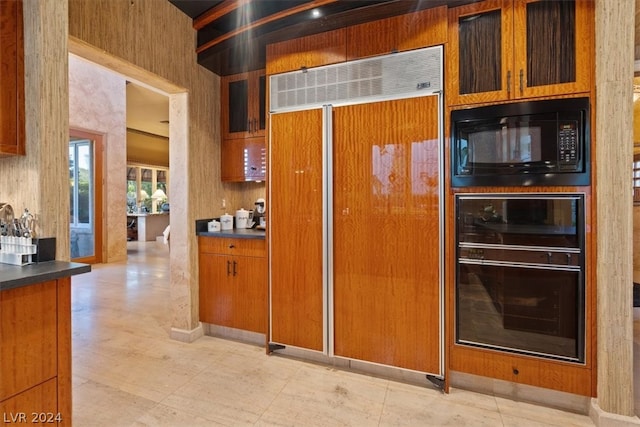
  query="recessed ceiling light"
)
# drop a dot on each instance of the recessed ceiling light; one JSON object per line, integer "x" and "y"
{"x": 316, "y": 13}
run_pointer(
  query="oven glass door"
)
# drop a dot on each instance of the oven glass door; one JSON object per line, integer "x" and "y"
{"x": 525, "y": 310}
{"x": 520, "y": 273}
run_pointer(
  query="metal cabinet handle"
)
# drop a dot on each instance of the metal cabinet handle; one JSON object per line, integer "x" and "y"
{"x": 232, "y": 246}
{"x": 235, "y": 264}
{"x": 509, "y": 82}
{"x": 521, "y": 81}
{"x": 228, "y": 268}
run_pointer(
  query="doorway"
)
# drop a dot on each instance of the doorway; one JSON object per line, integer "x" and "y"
{"x": 85, "y": 191}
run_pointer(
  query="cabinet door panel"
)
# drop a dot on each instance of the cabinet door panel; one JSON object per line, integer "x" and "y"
{"x": 386, "y": 233}
{"x": 296, "y": 229}
{"x": 238, "y": 107}
{"x": 479, "y": 57}
{"x": 310, "y": 51}
{"x": 11, "y": 79}
{"x": 250, "y": 294}
{"x": 243, "y": 160}
{"x": 41, "y": 399}
{"x": 216, "y": 289}
{"x": 28, "y": 337}
{"x": 552, "y": 44}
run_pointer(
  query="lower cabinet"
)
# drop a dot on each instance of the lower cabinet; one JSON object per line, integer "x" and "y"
{"x": 35, "y": 353}
{"x": 233, "y": 283}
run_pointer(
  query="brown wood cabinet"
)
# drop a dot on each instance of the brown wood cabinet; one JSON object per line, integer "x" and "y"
{"x": 427, "y": 27}
{"x": 509, "y": 49}
{"x": 306, "y": 52}
{"x": 243, "y": 160}
{"x": 243, "y": 127}
{"x": 233, "y": 283}
{"x": 35, "y": 350}
{"x": 11, "y": 79}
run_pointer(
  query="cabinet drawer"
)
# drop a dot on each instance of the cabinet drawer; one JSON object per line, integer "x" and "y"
{"x": 231, "y": 246}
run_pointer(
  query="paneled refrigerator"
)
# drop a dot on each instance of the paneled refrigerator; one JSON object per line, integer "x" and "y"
{"x": 355, "y": 220}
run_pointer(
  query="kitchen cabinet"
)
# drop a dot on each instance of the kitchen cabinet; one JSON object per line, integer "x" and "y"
{"x": 35, "y": 350}
{"x": 233, "y": 283}
{"x": 243, "y": 105}
{"x": 424, "y": 28}
{"x": 243, "y": 154}
{"x": 306, "y": 52}
{"x": 243, "y": 160}
{"x": 508, "y": 49}
{"x": 11, "y": 79}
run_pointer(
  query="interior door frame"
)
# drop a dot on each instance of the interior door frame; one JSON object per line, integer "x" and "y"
{"x": 98, "y": 189}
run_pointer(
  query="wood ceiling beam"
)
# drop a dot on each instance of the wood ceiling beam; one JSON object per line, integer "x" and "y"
{"x": 274, "y": 17}
{"x": 219, "y": 11}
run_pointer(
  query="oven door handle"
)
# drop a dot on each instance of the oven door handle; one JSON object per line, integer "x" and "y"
{"x": 495, "y": 263}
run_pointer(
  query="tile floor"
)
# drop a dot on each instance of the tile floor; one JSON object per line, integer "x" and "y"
{"x": 127, "y": 372}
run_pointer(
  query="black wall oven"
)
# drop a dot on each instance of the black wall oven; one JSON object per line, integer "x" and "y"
{"x": 521, "y": 144}
{"x": 520, "y": 282}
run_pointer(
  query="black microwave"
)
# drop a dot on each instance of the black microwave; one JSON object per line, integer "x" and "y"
{"x": 521, "y": 144}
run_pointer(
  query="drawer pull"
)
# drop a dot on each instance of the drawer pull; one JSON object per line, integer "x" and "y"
{"x": 232, "y": 246}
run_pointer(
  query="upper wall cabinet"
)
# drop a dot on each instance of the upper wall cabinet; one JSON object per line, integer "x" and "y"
{"x": 243, "y": 105}
{"x": 307, "y": 52}
{"x": 405, "y": 32}
{"x": 11, "y": 79}
{"x": 509, "y": 49}
{"x": 243, "y": 127}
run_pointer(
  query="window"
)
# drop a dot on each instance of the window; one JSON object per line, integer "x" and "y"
{"x": 147, "y": 188}
{"x": 80, "y": 179}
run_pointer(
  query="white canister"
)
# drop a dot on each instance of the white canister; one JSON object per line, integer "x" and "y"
{"x": 226, "y": 222}
{"x": 242, "y": 217}
{"x": 213, "y": 226}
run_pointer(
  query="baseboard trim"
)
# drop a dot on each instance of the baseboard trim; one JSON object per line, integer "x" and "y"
{"x": 185, "y": 335}
{"x": 607, "y": 419}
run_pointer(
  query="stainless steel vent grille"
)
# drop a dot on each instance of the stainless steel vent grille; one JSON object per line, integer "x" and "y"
{"x": 394, "y": 76}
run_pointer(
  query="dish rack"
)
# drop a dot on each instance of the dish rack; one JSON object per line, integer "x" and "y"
{"x": 16, "y": 250}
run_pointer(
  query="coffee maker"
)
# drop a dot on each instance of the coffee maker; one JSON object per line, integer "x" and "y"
{"x": 258, "y": 213}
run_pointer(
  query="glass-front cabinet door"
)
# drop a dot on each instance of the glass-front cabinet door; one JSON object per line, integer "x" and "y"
{"x": 243, "y": 105}
{"x": 479, "y": 58}
{"x": 510, "y": 49}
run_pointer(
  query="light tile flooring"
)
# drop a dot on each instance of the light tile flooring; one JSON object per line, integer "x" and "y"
{"x": 127, "y": 372}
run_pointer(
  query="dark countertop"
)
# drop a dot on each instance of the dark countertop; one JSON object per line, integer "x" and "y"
{"x": 13, "y": 276}
{"x": 236, "y": 233}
